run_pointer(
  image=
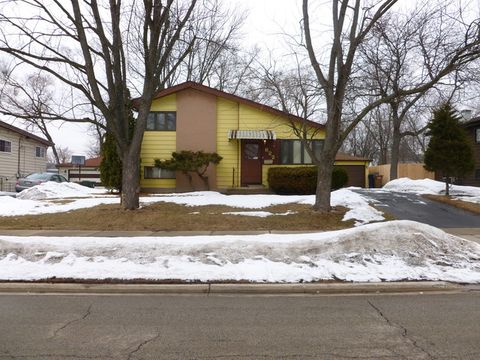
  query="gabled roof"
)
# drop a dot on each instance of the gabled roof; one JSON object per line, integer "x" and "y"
{"x": 345, "y": 157}
{"x": 25, "y": 133}
{"x": 472, "y": 122}
{"x": 236, "y": 98}
{"x": 92, "y": 162}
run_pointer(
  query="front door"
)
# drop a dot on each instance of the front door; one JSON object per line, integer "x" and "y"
{"x": 252, "y": 159}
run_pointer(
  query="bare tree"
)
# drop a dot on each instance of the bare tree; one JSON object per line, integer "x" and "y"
{"x": 64, "y": 155}
{"x": 91, "y": 47}
{"x": 401, "y": 53}
{"x": 352, "y": 22}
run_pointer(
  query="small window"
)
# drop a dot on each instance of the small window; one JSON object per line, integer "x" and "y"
{"x": 152, "y": 172}
{"x": 39, "y": 152}
{"x": 5, "y": 146}
{"x": 294, "y": 152}
{"x": 251, "y": 151}
{"x": 477, "y": 135}
{"x": 162, "y": 121}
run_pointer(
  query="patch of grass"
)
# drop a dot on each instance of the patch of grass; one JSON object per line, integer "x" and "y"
{"x": 173, "y": 217}
{"x": 464, "y": 205}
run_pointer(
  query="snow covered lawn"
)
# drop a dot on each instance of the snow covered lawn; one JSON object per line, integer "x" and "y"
{"x": 389, "y": 251}
{"x": 43, "y": 199}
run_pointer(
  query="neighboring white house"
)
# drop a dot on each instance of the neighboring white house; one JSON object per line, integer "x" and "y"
{"x": 88, "y": 172}
{"x": 21, "y": 153}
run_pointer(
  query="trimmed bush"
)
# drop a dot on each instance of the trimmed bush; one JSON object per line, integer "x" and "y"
{"x": 339, "y": 178}
{"x": 301, "y": 180}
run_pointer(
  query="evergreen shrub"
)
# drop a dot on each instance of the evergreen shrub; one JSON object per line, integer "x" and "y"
{"x": 302, "y": 180}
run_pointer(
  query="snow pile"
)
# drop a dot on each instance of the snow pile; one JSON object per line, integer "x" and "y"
{"x": 391, "y": 251}
{"x": 360, "y": 209}
{"x": 429, "y": 186}
{"x": 472, "y": 199}
{"x": 258, "y": 213}
{"x": 203, "y": 198}
{"x": 10, "y": 206}
{"x": 54, "y": 190}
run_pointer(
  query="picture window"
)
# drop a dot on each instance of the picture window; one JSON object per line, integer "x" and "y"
{"x": 294, "y": 152}
{"x": 162, "y": 121}
{"x": 152, "y": 172}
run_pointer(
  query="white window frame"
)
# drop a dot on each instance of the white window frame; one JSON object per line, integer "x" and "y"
{"x": 153, "y": 172}
{"x": 5, "y": 146}
{"x": 40, "y": 152}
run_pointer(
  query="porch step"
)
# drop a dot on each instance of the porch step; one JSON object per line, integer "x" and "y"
{"x": 250, "y": 189}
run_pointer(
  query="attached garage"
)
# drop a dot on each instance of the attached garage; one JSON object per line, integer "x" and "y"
{"x": 356, "y": 167}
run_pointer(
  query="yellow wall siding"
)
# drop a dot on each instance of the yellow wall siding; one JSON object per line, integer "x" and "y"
{"x": 255, "y": 119}
{"x": 228, "y": 171}
{"x": 167, "y": 103}
{"x": 158, "y": 145}
{"x": 231, "y": 115}
{"x": 234, "y": 116}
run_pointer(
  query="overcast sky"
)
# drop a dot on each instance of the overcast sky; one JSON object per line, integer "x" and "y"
{"x": 266, "y": 25}
{"x": 267, "y": 20}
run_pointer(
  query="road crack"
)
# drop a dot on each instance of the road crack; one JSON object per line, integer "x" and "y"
{"x": 87, "y": 314}
{"x": 402, "y": 328}
{"x": 141, "y": 345}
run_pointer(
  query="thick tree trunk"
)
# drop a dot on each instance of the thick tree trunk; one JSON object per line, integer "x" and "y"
{"x": 447, "y": 190}
{"x": 324, "y": 185}
{"x": 395, "y": 152}
{"x": 130, "y": 180}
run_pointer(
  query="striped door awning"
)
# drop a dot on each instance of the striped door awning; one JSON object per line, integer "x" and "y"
{"x": 252, "y": 134}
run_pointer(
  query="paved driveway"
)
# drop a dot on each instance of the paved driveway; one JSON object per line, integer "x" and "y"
{"x": 414, "y": 207}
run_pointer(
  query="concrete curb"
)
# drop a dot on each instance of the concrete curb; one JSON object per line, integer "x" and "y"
{"x": 252, "y": 289}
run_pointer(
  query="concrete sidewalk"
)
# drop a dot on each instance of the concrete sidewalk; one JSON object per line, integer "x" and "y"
{"x": 466, "y": 233}
{"x": 96, "y": 233}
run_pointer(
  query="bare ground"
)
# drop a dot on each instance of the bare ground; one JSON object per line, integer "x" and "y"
{"x": 173, "y": 217}
{"x": 472, "y": 207}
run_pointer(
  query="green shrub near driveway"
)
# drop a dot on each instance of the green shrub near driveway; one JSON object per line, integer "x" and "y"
{"x": 302, "y": 180}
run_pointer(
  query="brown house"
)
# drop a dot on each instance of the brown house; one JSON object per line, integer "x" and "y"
{"x": 473, "y": 129}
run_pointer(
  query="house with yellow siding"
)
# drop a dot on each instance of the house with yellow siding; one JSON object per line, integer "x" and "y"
{"x": 250, "y": 137}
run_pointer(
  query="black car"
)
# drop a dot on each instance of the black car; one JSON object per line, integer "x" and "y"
{"x": 37, "y": 178}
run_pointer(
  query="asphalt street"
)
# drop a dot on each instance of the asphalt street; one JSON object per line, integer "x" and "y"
{"x": 420, "y": 326}
{"x": 417, "y": 208}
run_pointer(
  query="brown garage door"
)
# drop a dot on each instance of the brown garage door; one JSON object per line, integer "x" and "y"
{"x": 356, "y": 175}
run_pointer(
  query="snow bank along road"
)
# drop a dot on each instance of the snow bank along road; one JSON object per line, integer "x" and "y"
{"x": 389, "y": 251}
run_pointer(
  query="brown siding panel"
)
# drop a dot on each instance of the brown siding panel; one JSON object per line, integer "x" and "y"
{"x": 196, "y": 130}
{"x": 356, "y": 174}
{"x": 470, "y": 178}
